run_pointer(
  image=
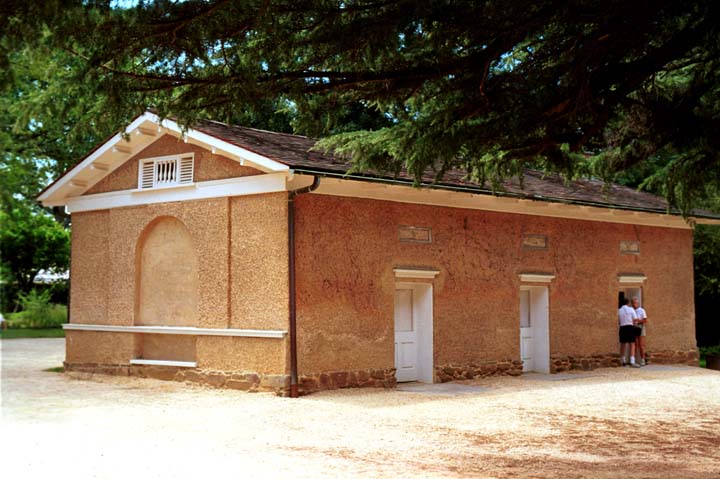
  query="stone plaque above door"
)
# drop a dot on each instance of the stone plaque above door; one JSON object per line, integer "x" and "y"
{"x": 536, "y": 242}
{"x": 415, "y": 234}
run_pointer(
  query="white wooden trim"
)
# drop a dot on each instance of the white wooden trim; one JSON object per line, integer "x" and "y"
{"x": 631, "y": 278}
{"x": 161, "y": 362}
{"x": 187, "y": 186}
{"x": 487, "y": 202}
{"x": 116, "y": 151}
{"x": 111, "y": 328}
{"x": 536, "y": 277}
{"x": 706, "y": 221}
{"x": 422, "y": 311}
{"x": 221, "y": 146}
{"x": 415, "y": 273}
{"x": 107, "y": 148}
{"x": 177, "y": 159}
{"x": 539, "y": 309}
{"x": 245, "y": 185}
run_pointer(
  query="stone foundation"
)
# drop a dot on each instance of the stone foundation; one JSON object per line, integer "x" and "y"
{"x": 559, "y": 364}
{"x": 373, "y": 378}
{"x": 689, "y": 357}
{"x": 246, "y": 381}
{"x": 368, "y": 378}
{"x": 243, "y": 381}
{"x": 453, "y": 372}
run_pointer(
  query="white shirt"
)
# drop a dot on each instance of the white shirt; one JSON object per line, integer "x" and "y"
{"x": 640, "y": 313}
{"x": 626, "y": 314}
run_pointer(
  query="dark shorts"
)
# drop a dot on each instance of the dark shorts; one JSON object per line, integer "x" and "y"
{"x": 628, "y": 334}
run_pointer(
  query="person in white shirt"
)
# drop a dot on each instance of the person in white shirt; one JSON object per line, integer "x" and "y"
{"x": 640, "y": 323}
{"x": 628, "y": 333}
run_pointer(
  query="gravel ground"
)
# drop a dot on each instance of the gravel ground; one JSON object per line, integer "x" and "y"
{"x": 654, "y": 422}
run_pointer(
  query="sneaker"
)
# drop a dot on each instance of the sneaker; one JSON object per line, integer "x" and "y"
{"x": 642, "y": 362}
{"x": 635, "y": 365}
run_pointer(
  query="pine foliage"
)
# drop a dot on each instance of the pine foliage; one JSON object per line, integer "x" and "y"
{"x": 584, "y": 87}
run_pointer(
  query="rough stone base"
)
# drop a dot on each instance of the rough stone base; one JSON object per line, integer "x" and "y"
{"x": 559, "y": 364}
{"x": 241, "y": 380}
{"x": 453, "y": 372}
{"x": 367, "y": 378}
{"x": 246, "y": 381}
{"x": 375, "y": 378}
{"x": 689, "y": 357}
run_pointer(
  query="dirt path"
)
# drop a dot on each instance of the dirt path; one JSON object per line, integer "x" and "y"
{"x": 658, "y": 422}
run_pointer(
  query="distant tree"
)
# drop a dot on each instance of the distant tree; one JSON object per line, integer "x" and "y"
{"x": 582, "y": 87}
{"x": 707, "y": 263}
{"x": 31, "y": 241}
{"x": 39, "y": 139}
{"x": 707, "y": 284}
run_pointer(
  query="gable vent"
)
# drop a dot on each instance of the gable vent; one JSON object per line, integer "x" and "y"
{"x": 186, "y": 169}
{"x": 166, "y": 171}
{"x": 147, "y": 173}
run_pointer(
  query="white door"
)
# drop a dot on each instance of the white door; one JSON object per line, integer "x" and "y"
{"x": 526, "y": 331}
{"x": 534, "y": 329}
{"x": 406, "y": 336}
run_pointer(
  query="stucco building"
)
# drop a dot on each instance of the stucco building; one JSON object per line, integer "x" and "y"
{"x": 239, "y": 258}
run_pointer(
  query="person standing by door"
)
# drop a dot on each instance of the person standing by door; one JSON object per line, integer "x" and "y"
{"x": 628, "y": 333}
{"x": 640, "y": 323}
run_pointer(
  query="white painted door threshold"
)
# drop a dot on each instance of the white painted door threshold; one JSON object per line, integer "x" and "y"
{"x": 159, "y": 362}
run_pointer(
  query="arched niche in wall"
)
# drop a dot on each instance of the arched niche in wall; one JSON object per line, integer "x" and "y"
{"x": 166, "y": 278}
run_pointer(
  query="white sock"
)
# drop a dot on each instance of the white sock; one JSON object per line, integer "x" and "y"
{"x": 632, "y": 359}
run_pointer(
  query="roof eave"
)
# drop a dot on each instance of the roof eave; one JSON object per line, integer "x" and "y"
{"x": 698, "y": 218}
{"x": 111, "y": 153}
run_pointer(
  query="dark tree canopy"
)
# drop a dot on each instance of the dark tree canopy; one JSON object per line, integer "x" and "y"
{"x": 581, "y": 87}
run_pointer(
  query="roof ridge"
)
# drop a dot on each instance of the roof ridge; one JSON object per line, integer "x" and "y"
{"x": 260, "y": 130}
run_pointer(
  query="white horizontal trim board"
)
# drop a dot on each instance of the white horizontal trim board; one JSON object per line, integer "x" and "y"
{"x": 415, "y": 273}
{"x": 536, "y": 277}
{"x": 117, "y": 150}
{"x": 487, "y": 202}
{"x": 166, "y": 171}
{"x": 220, "y": 146}
{"x": 245, "y": 185}
{"x": 247, "y": 333}
{"x": 631, "y": 278}
{"x": 162, "y": 362}
{"x": 68, "y": 189}
{"x": 106, "y": 149}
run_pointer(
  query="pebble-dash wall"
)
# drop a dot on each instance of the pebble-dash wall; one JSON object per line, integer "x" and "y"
{"x": 348, "y": 247}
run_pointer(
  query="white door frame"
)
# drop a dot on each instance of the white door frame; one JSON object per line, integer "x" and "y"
{"x": 540, "y": 321}
{"x": 526, "y": 333}
{"x": 632, "y": 291}
{"x": 423, "y": 321}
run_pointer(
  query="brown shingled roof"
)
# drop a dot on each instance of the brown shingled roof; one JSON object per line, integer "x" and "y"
{"x": 296, "y": 152}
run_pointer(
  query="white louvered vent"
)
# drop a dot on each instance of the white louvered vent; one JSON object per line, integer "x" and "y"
{"x": 166, "y": 171}
{"x": 147, "y": 173}
{"x": 186, "y": 169}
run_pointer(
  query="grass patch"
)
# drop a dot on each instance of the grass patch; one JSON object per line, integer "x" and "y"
{"x": 49, "y": 316}
{"x": 32, "y": 333}
{"x": 58, "y": 369}
{"x": 37, "y": 312}
{"x": 702, "y": 363}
